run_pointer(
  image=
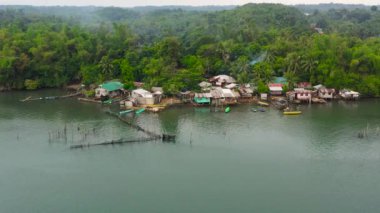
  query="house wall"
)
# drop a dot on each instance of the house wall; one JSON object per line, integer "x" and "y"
{"x": 264, "y": 96}
{"x": 145, "y": 101}
{"x": 157, "y": 98}
{"x": 303, "y": 96}
{"x": 275, "y": 92}
{"x": 99, "y": 92}
{"x": 326, "y": 95}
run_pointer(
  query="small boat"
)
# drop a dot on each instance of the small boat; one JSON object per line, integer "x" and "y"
{"x": 107, "y": 101}
{"x": 125, "y": 111}
{"x": 140, "y": 111}
{"x": 227, "y": 110}
{"x": 254, "y": 110}
{"x": 262, "y": 103}
{"x": 292, "y": 112}
{"x": 261, "y": 110}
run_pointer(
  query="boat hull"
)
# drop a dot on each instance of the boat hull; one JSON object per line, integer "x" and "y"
{"x": 293, "y": 113}
{"x": 262, "y": 103}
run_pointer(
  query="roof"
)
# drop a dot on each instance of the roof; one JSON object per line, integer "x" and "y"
{"x": 275, "y": 89}
{"x": 185, "y": 93}
{"x": 246, "y": 90}
{"x": 326, "y": 90}
{"x": 223, "y": 78}
{"x": 304, "y": 84}
{"x": 319, "y": 86}
{"x": 143, "y": 93}
{"x": 157, "y": 93}
{"x": 204, "y": 84}
{"x": 275, "y": 85}
{"x": 346, "y": 91}
{"x": 227, "y": 93}
{"x": 112, "y": 86}
{"x": 138, "y": 84}
{"x": 202, "y": 100}
{"x": 157, "y": 89}
{"x": 217, "y": 92}
{"x": 230, "y": 86}
{"x": 202, "y": 95}
{"x": 303, "y": 91}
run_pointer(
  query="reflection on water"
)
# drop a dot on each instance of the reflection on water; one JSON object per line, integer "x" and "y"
{"x": 241, "y": 161}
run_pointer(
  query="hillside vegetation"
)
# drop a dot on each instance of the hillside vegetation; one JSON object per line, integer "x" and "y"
{"x": 177, "y": 48}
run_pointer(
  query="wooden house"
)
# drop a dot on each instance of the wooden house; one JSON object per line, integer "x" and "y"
{"x": 202, "y": 99}
{"x": 245, "y": 92}
{"x": 349, "y": 94}
{"x": 185, "y": 97}
{"x": 109, "y": 89}
{"x": 302, "y": 94}
{"x": 222, "y": 96}
{"x": 326, "y": 93}
{"x": 205, "y": 86}
{"x": 222, "y": 80}
{"x": 157, "y": 92}
{"x": 143, "y": 97}
{"x": 275, "y": 88}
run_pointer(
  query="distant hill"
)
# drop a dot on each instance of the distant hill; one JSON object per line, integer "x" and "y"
{"x": 188, "y": 8}
{"x": 309, "y": 8}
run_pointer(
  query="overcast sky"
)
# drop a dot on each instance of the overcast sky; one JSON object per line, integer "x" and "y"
{"x": 132, "y": 3}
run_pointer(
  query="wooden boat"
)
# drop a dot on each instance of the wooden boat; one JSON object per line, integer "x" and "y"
{"x": 292, "y": 112}
{"x": 254, "y": 110}
{"x": 140, "y": 111}
{"x": 262, "y": 103}
{"x": 125, "y": 111}
{"x": 227, "y": 110}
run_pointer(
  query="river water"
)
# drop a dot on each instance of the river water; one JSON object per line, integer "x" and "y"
{"x": 237, "y": 162}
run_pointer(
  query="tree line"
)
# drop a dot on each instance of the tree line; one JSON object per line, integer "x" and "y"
{"x": 176, "y": 48}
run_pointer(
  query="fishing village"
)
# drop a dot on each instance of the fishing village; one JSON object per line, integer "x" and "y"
{"x": 189, "y": 106}
{"x": 220, "y": 93}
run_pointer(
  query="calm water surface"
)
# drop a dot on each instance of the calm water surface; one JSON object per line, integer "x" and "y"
{"x": 236, "y": 162}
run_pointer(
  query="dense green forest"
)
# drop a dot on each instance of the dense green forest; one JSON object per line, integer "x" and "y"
{"x": 178, "y": 48}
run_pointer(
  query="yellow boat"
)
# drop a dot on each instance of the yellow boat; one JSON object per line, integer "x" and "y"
{"x": 293, "y": 113}
{"x": 261, "y": 103}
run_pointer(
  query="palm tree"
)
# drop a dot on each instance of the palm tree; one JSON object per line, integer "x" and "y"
{"x": 263, "y": 72}
{"x": 309, "y": 65}
{"x": 294, "y": 62}
{"x": 291, "y": 77}
{"x": 106, "y": 67}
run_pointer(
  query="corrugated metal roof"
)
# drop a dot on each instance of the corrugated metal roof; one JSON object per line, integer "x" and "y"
{"x": 230, "y": 86}
{"x": 227, "y": 93}
{"x": 143, "y": 93}
{"x": 275, "y": 89}
{"x": 112, "y": 86}
{"x": 202, "y": 100}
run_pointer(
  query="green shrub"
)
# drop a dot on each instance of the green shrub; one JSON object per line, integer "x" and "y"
{"x": 31, "y": 84}
{"x": 89, "y": 93}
